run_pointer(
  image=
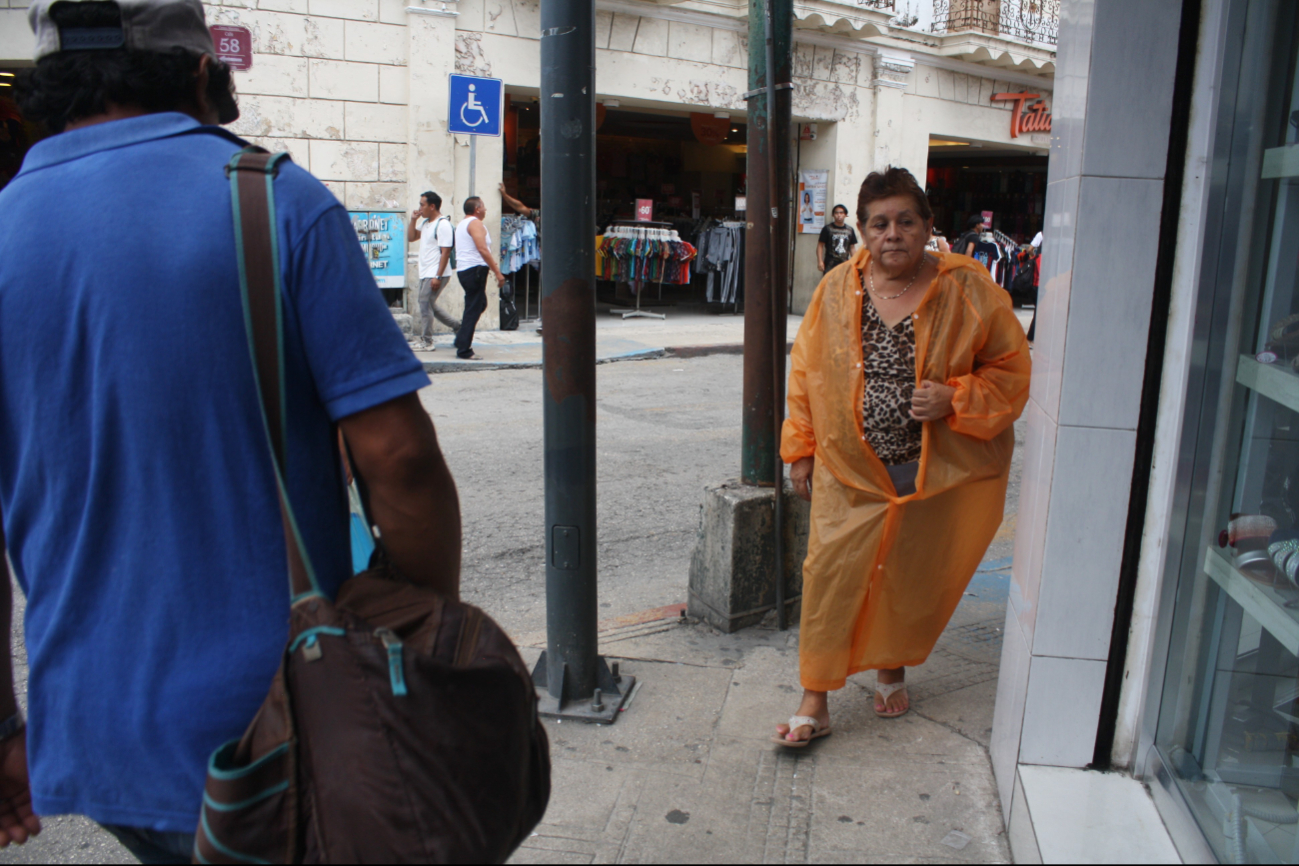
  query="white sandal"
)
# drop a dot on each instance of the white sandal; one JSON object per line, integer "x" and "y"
{"x": 796, "y": 722}
{"x": 886, "y": 691}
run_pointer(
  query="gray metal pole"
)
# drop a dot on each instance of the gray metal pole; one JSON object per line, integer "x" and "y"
{"x": 473, "y": 163}
{"x": 573, "y": 680}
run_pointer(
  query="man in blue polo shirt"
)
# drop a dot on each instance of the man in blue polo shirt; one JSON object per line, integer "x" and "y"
{"x": 136, "y": 486}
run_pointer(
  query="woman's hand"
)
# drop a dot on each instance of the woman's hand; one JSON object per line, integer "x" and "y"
{"x": 800, "y": 475}
{"x": 932, "y": 401}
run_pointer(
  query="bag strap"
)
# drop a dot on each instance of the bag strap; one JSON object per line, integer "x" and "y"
{"x": 252, "y": 174}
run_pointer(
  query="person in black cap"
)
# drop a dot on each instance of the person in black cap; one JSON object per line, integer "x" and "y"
{"x": 137, "y": 491}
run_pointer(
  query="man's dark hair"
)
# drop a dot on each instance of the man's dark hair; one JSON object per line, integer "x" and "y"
{"x": 432, "y": 198}
{"x": 471, "y": 205}
{"x": 974, "y": 222}
{"x": 888, "y": 183}
{"x": 842, "y": 207}
{"x": 68, "y": 86}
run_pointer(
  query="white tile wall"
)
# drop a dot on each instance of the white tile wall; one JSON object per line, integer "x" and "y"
{"x": 375, "y": 43}
{"x": 1069, "y": 99}
{"x": 274, "y": 75}
{"x": 603, "y": 24}
{"x": 372, "y": 121}
{"x": 1085, "y": 526}
{"x": 622, "y": 33}
{"x": 340, "y": 79}
{"x": 297, "y": 6}
{"x": 394, "y": 85}
{"x": 345, "y": 160}
{"x": 365, "y": 10}
{"x": 689, "y": 41}
{"x": 1008, "y": 712}
{"x": 1129, "y": 68}
{"x": 1060, "y": 711}
{"x": 527, "y": 17}
{"x": 651, "y": 37}
{"x": 1034, "y": 502}
{"x": 499, "y": 17}
{"x": 1053, "y": 296}
{"x": 822, "y": 62}
{"x": 1109, "y": 305}
{"x": 1019, "y": 829}
{"x": 291, "y": 118}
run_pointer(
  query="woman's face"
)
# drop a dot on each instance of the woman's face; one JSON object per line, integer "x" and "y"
{"x": 895, "y": 233}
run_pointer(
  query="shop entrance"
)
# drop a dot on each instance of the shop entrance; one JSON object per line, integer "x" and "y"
{"x": 17, "y": 135}
{"x": 966, "y": 180}
{"x": 682, "y": 171}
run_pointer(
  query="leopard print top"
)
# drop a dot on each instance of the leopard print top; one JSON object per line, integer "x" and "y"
{"x": 889, "y": 366}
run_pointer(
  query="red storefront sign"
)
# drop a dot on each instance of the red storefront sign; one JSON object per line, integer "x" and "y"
{"x": 234, "y": 45}
{"x": 1034, "y": 118}
{"x": 644, "y": 210}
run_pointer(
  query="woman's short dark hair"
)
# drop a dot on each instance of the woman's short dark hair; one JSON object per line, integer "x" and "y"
{"x": 68, "y": 86}
{"x": 888, "y": 183}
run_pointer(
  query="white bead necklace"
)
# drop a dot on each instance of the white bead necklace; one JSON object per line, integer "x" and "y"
{"x": 870, "y": 277}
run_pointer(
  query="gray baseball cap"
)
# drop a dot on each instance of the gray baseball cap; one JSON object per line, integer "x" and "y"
{"x": 147, "y": 25}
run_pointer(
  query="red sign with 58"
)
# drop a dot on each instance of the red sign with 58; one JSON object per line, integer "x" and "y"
{"x": 234, "y": 45}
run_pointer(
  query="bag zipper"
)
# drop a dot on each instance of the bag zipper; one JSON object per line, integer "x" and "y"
{"x": 396, "y": 672}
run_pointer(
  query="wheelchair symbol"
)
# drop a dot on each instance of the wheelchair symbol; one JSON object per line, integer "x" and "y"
{"x": 471, "y": 105}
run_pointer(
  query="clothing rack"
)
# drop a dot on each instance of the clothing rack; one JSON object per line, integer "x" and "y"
{"x": 662, "y": 232}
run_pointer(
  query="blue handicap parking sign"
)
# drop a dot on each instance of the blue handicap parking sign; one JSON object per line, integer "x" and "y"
{"x": 475, "y": 105}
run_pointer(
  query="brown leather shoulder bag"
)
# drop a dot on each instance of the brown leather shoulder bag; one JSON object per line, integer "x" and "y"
{"x": 402, "y": 726}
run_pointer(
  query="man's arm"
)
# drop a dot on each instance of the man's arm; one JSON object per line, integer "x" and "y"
{"x": 517, "y": 206}
{"x": 479, "y": 234}
{"x": 820, "y": 256}
{"x": 412, "y": 233}
{"x": 442, "y": 264}
{"x": 412, "y": 497}
{"x": 17, "y": 821}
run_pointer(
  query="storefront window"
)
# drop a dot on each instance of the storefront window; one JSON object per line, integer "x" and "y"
{"x": 1228, "y": 726}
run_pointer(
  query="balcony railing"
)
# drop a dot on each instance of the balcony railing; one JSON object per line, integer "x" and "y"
{"x": 890, "y": 5}
{"x": 1035, "y": 21}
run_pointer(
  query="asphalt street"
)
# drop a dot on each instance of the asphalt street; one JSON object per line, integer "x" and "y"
{"x": 665, "y": 429}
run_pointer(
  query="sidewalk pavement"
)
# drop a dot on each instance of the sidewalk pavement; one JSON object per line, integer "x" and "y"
{"x": 686, "y": 332}
{"x": 688, "y": 775}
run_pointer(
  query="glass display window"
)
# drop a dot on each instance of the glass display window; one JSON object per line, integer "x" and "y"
{"x": 1228, "y": 719}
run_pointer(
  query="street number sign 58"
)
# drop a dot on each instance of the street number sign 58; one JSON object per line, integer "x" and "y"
{"x": 234, "y": 45}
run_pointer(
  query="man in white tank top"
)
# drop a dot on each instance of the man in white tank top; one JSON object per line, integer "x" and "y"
{"x": 474, "y": 260}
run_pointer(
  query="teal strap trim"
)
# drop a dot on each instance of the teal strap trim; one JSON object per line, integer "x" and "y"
{"x": 395, "y": 671}
{"x": 310, "y": 635}
{"x": 229, "y": 852}
{"x": 244, "y": 804}
{"x": 311, "y": 593}
{"x": 271, "y": 168}
{"x": 198, "y": 857}
{"x": 239, "y": 772}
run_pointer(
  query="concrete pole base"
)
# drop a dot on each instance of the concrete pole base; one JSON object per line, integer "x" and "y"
{"x": 731, "y": 585}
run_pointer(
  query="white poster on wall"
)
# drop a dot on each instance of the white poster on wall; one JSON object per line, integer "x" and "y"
{"x": 813, "y": 186}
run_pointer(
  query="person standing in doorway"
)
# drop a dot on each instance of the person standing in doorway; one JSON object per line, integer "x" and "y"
{"x": 474, "y": 260}
{"x": 436, "y": 241}
{"x": 973, "y": 230}
{"x": 836, "y": 243}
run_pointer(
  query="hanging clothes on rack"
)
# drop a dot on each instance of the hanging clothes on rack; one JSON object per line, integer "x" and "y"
{"x": 631, "y": 255}
{"x": 520, "y": 243}
{"x": 721, "y": 257}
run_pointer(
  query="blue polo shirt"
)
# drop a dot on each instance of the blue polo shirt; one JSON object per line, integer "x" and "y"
{"x": 136, "y": 485}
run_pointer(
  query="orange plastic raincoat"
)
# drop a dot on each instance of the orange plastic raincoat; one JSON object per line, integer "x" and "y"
{"x": 884, "y": 573}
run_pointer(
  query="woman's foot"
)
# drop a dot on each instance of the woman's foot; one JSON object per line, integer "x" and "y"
{"x": 815, "y": 705}
{"x": 891, "y": 701}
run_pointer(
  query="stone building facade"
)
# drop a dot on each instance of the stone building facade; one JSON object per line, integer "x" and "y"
{"x": 356, "y": 90}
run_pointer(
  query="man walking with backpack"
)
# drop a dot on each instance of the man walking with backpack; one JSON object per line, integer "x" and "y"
{"x": 137, "y": 489}
{"x": 437, "y": 257}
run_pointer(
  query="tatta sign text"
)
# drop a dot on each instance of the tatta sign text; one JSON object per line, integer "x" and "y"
{"x": 1033, "y": 118}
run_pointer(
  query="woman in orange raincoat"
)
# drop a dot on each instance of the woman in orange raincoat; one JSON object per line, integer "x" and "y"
{"x": 909, "y": 369}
